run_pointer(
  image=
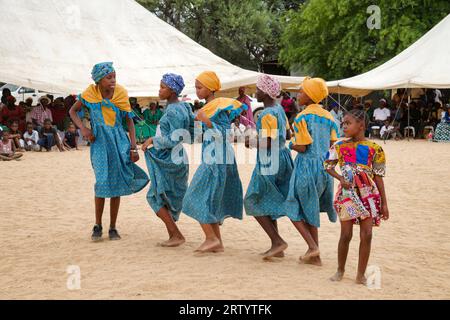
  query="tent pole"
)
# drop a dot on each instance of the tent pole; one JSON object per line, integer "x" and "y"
{"x": 409, "y": 102}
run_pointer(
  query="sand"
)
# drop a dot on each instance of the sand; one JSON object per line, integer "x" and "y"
{"x": 47, "y": 213}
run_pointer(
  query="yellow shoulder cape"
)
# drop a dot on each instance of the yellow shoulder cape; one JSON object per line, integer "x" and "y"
{"x": 120, "y": 98}
{"x": 233, "y": 106}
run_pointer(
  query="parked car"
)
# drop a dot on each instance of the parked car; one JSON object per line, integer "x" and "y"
{"x": 23, "y": 93}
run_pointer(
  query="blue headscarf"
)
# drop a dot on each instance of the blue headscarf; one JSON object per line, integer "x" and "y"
{"x": 101, "y": 70}
{"x": 174, "y": 82}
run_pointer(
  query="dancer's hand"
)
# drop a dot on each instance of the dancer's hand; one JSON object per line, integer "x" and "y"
{"x": 345, "y": 184}
{"x": 134, "y": 155}
{"x": 384, "y": 212}
{"x": 147, "y": 144}
{"x": 87, "y": 133}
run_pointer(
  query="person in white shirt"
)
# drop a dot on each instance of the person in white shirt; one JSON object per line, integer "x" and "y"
{"x": 382, "y": 113}
{"x": 237, "y": 130}
{"x": 31, "y": 138}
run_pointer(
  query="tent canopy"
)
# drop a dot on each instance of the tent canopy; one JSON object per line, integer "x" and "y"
{"x": 425, "y": 64}
{"x": 51, "y": 45}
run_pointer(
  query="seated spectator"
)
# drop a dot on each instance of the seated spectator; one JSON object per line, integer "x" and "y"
{"x": 59, "y": 113}
{"x": 48, "y": 137}
{"x": 381, "y": 114}
{"x": 31, "y": 138}
{"x": 7, "y": 149}
{"x": 13, "y": 112}
{"x": 28, "y": 108}
{"x": 71, "y": 138}
{"x": 414, "y": 117}
{"x": 443, "y": 128}
{"x": 5, "y": 94}
{"x": 41, "y": 112}
{"x": 390, "y": 131}
{"x": 16, "y": 136}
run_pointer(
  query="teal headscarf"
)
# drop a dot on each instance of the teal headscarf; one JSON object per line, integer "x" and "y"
{"x": 101, "y": 70}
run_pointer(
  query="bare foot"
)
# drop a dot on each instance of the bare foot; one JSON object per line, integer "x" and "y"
{"x": 275, "y": 250}
{"x": 278, "y": 255}
{"x": 361, "y": 280}
{"x": 310, "y": 254}
{"x": 338, "y": 276}
{"x": 315, "y": 261}
{"x": 210, "y": 246}
{"x": 174, "y": 241}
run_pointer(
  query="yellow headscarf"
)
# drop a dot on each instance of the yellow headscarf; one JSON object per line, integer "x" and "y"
{"x": 210, "y": 80}
{"x": 120, "y": 98}
{"x": 315, "y": 88}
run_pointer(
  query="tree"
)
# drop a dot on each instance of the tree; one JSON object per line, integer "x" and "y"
{"x": 331, "y": 39}
{"x": 245, "y": 33}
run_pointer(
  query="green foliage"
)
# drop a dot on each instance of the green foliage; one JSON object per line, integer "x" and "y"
{"x": 330, "y": 38}
{"x": 245, "y": 33}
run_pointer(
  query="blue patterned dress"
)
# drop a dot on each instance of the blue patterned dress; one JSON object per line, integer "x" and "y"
{"x": 115, "y": 174}
{"x": 167, "y": 161}
{"x": 269, "y": 185}
{"x": 311, "y": 187}
{"x": 215, "y": 192}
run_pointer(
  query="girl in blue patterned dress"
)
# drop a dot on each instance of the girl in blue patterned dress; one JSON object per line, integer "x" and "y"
{"x": 167, "y": 160}
{"x": 269, "y": 185}
{"x": 113, "y": 153}
{"x": 215, "y": 192}
{"x": 311, "y": 188}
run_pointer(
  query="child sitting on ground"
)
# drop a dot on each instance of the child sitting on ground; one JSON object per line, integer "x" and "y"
{"x": 49, "y": 137}
{"x": 31, "y": 138}
{"x": 7, "y": 148}
{"x": 16, "y": 136}
{"x": 71, "y": 137}
{"x": 390, "y": 131}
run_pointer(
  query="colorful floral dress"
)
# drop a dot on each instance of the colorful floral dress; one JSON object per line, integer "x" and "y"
{"x": 359, "y": 163}
{"x": 311, "y": 187}
{"x": 269, "y": 185}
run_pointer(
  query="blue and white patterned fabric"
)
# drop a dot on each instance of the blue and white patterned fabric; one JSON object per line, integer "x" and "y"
{"x": 115, "y": 174}
{"x": 215, "y": 192}
{"x": 267, "y": 191}
{"x": 174, "y": 82}
{"x": 311, "y": 187}
{"x": 167, "y": 161}
{"x": 101, "y": 70}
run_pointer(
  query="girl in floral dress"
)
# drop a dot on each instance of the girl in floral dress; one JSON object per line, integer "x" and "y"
{"x": 361, "y": 197}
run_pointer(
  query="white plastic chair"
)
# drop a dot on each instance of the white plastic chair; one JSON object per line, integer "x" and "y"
{"x": 409, "y": 129}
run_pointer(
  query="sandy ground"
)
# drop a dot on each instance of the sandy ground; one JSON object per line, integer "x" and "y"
{"x": 47, "y": 212}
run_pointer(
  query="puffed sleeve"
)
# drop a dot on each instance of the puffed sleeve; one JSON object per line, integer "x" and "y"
{"x": 331, "y": 158}
{"x": 301, "y": 134}
{"x": 379, "y": 162}
{"x": 269, "y": 126}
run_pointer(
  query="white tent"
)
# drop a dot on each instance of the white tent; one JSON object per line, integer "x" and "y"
{"x": 52, "y": 45}
{"x": 425, "y": 64}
